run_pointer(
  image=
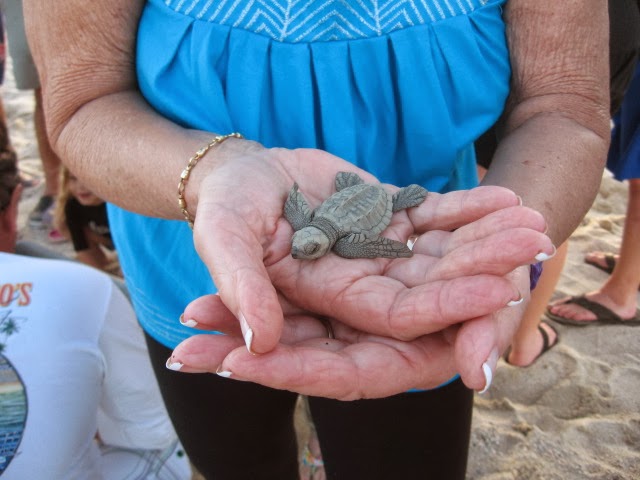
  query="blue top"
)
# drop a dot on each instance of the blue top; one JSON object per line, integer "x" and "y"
{"x": 400, "y": 89}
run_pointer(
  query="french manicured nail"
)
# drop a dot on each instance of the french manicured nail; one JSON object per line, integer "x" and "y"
{"x": 541, "y": 257}
{"x": 513, "y": 303}
{"x": 247, "y": 333}
{"x": 488, "y": 368}
{"x": 188, "y": 323}
{"x": 520, "y": 202}
{"x": 223, "y": 373}
{"x": 172, "y": 365}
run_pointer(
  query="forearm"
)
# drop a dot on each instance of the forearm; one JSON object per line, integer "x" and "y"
{"x": 555, "y": 165}
{"x": 97, "y": 120}
{"x": 128, "y": 154}
{"x": 555, "y": 130}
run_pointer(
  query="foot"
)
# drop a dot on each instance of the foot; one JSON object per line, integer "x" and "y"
{"x": 577, "y": 313}
{"x": 28, "y": 180}
{"x": 311, "y": 464}
{"x": 534, "y": 348}
{"x": 42, "y": 215}
{"x": 55, "y": 236}
{"x": 603, "y": 260}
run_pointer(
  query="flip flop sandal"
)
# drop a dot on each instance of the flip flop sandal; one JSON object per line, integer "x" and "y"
{"x": 609, "y": 260}
{"x": 546, "y": 345}
{"x": 309, "y": 460}
{"x": 603, "y": 314}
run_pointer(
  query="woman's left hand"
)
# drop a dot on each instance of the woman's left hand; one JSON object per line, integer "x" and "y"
{"x": 354, "y": 364}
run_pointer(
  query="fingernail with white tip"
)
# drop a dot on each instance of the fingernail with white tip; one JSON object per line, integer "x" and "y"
{"x": 513, "y": 303}
{"x": 488, "y": 368}
{"x": 188, "y": 323}
{"x": 247, "y": 333}
{"x": 175, "y": 366}
{"x": 223, "y": 373}
{"x": 541, "y": 257}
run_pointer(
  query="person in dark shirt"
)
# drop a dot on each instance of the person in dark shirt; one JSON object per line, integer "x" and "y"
{"x": 81, "y": 216}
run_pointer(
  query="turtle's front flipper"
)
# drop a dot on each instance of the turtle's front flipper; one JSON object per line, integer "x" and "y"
{"x": 296, "y": 209}
{"x": 347, "y": 179}
{"x": 351, "y": 246}
{"x": 408, "y": 197}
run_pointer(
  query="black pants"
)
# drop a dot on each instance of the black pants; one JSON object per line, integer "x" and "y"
{"x": 240, "y": 430}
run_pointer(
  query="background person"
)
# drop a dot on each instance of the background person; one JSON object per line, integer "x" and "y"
{"x": 615, "y": 302}
{"x": 26, "y": 78}
{"x": 82, "y": 216}
{"x": 6, "y": 150}
{"x": 535, "y": 336}
{"x": 78, "y": 396}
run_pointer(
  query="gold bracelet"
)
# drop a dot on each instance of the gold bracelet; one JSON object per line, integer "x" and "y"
{"x": 193, "y": 161}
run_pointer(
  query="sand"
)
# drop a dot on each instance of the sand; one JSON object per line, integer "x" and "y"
{"x": 573, "y": 415}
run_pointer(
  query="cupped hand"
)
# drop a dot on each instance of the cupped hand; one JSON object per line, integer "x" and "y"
{"x": 350, "y": 366}
{"x": 338, "y": 361}
{"x": 411, "y": 305}
{"x": 243, "y": 238}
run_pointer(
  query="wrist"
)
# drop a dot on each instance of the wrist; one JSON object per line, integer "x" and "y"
{"x": 185, "y": 175}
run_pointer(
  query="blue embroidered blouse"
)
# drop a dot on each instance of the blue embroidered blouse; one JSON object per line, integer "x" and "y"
{"x": 400, "y": 88}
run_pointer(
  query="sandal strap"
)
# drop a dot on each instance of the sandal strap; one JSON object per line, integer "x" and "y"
{"x": 610, "y": 260}
{"x": 545, "y": 338}
{"x": 599, "y": 310}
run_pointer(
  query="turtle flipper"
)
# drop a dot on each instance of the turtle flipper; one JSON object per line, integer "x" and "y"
{"x": 352, "y": 246}
{"x": 347, "y": 179}
{"x": 408, "y": 197}
{"x": 296, "y": 209}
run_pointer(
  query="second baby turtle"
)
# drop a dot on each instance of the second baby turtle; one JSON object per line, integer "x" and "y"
{"x": 350, "y": 221}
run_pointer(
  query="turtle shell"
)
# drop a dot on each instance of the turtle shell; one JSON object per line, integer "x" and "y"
{"x": 363, "y": 208}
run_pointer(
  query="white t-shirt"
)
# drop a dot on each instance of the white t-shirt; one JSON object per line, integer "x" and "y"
{"x": 73, "y": 362}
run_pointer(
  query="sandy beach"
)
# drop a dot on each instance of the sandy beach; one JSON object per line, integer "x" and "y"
{"x": 573, "y": 415}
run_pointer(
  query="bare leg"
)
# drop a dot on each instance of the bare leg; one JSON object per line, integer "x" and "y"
{"x": 6, "y": 151}
{"x": 311, "y": 464}
{"x": 527, "y": 342}
{"x": 597, "y": 257}
{"x": 41, "y": 215}
{"x": 619, "y": 292}
{"x": 50, "y": 161}
{"x": 625, "y": 278}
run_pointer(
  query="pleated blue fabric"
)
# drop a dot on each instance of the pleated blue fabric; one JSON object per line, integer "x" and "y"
{"x": 401, "y": 89}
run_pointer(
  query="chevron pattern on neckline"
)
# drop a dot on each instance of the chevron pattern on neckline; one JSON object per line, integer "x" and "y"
{"x": 296, "y": 21}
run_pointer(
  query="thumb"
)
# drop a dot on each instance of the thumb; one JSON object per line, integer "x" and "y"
{"x": 476, "y": 352}
{"x": 234, "y": 258}
{"x": 480, "y": 342}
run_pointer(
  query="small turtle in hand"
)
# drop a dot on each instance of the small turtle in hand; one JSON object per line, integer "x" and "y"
{"x": 349, "y": 221}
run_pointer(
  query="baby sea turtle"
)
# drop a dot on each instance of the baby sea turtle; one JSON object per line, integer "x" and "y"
{"x": 350, "y": 220}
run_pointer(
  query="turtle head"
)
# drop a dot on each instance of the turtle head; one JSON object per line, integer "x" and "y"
{"x": 309, "y": 243}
